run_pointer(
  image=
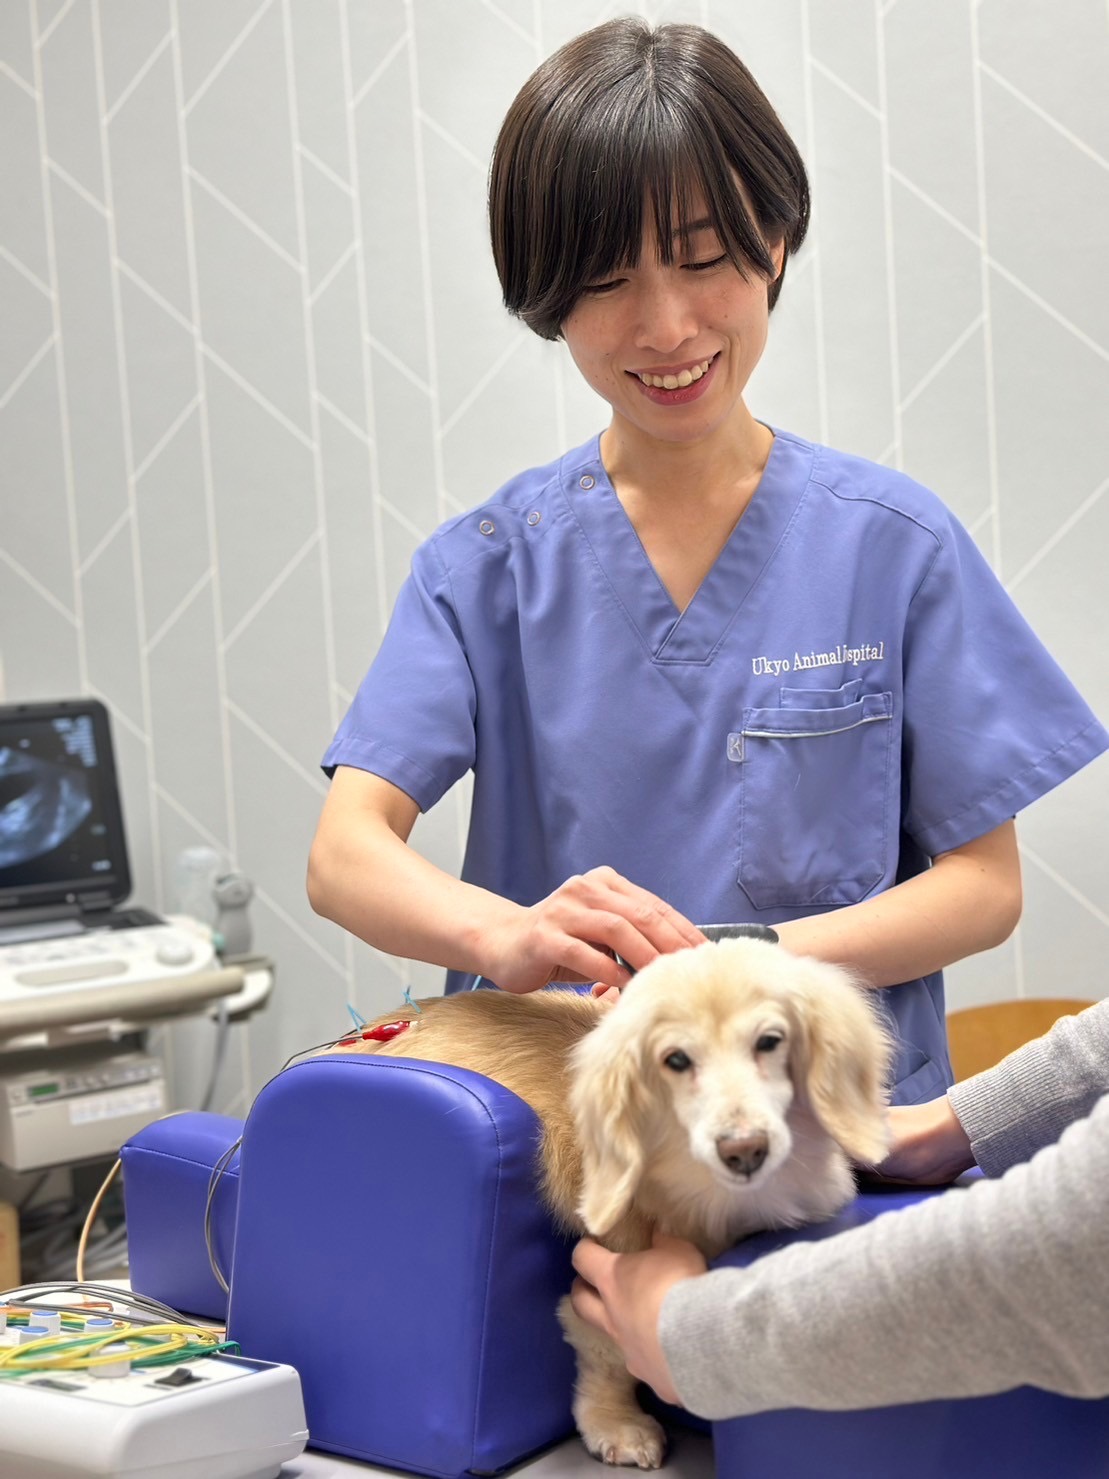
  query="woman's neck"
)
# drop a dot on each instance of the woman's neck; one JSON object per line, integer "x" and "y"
{"x": 720, "y": 471}
{"x": 685, "y": 500}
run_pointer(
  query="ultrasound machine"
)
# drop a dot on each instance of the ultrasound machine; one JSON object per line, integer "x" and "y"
{"x": 83, "y": 973}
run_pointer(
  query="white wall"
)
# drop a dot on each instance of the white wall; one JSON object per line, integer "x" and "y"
{"x": 253, "y": 351}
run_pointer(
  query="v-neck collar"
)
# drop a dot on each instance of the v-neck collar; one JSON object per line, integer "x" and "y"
{"x": 694, "y": 634}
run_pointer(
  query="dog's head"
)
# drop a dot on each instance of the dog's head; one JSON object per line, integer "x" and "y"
{"x": 705, "y": 1059}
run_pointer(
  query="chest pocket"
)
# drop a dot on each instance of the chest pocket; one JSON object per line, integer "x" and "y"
{"x": 815, "y": 797}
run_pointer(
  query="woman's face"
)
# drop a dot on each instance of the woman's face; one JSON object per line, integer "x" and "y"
{"x": 671, "y": 348}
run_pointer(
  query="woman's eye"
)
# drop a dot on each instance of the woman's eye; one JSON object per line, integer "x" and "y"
{"x": 706, "y": 266}
{"x": 598, "y": 288}
{"x": 678, "y": 1061}
{"x": 767, "y": 1042}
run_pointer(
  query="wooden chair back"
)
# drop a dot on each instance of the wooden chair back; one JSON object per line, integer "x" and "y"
{"x": 979, "y": 1037}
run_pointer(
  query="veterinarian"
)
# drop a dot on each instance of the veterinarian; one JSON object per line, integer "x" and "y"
{"x": 1002, "y": 1285}
{"x": 702, "y": 669}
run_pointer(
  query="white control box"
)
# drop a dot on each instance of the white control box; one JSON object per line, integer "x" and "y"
{"x": 77, "y": 1107}
{"x": 220, "y": 1417}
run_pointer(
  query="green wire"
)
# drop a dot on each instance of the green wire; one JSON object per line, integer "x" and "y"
{"x": 168, "y": 1358}
{"x": 171, "y": 1358}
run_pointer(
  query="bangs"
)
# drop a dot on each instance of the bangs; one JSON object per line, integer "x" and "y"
{"x": 655, "y": 168}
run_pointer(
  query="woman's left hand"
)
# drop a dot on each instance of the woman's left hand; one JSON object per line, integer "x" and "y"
{"x": 622, "y": 1294}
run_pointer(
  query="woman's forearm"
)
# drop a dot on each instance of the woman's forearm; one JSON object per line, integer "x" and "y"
{"x": 969, "y": 900}
{"x": 363, "y": 875}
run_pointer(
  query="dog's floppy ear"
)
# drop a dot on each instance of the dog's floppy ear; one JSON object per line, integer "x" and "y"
{"x": 844, "y": 1061}
{"x": 609, "y": 1102}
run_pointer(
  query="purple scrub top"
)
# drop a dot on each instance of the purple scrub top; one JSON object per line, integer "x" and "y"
{"x": 849, "y": 693}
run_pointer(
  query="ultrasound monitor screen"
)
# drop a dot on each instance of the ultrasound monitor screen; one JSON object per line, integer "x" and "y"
{"x": 61, "y": 834}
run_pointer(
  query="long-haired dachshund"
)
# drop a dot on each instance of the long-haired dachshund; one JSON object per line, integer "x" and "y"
{"x": 728, "y": 1091}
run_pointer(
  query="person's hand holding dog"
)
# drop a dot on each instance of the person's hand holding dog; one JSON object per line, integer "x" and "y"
{"x": 928, "y": 1145}
{"x": 622, "y": 1294}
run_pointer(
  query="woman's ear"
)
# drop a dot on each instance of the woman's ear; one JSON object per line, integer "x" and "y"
{"x": 609, "y": 1101}
{"x": 843, "y": 1063}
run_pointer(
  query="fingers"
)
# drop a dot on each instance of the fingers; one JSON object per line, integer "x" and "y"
{"x": 591, "y": 1260}
{"x": 581, "y": 962}
{"x": 589, "y": 1306}
{"x": 576, "y": 933}
{"x": 592, "y": 1263}
{"x": 605, "y": 914}
{"x": 609, "y": 995}
{"x": 649, "y": 916}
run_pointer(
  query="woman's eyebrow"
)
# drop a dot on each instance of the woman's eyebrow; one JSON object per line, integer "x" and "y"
{"x": 705, "y": 224}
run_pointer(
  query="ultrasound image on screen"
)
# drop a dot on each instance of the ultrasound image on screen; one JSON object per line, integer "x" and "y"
{"x": 52, "y": 830}
{"x": 41, "y": 805}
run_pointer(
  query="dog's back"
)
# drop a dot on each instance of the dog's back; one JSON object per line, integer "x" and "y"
{"x": 522, "y": 1042}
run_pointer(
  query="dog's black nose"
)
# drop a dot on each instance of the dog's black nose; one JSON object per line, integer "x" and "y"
{"x": 743, "y": 1154}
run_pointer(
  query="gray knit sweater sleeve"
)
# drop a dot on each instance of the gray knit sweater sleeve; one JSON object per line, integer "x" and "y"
{"x": 1030, "y": 1098}
{"x": 980, "y": 1289}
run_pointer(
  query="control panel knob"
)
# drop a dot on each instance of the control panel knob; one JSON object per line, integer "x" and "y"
{"x": 174, "y": 951}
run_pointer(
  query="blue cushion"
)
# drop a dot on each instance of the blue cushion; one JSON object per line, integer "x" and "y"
{"x": 393, "y": 1250}
{"x": 167, "y": 1170}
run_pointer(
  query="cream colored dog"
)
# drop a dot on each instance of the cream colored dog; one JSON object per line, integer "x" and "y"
{"x": 728, "y": 1091}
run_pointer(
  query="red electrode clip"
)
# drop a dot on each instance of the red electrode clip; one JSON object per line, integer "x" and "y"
{"x": 384, "y": 1031}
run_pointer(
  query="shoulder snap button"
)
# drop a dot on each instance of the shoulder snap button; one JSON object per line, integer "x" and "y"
{"x": 487, "y": 526}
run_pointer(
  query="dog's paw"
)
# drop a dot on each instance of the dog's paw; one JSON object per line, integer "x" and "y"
{"x": 638, "y": 1444}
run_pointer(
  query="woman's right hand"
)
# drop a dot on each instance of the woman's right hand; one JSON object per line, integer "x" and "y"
{"x": 576, "y": 931}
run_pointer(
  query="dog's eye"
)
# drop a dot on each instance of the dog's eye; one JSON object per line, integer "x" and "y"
{"x": 768, "y": 1042}
{"x": 678, "y": 1061}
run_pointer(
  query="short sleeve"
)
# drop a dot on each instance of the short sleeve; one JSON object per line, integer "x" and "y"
{"x": 412, "y": 719}
{"x": 991, "y": 722}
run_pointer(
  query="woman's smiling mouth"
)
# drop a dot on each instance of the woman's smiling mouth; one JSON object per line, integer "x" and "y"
{"x": 677, "y": 379}
{"x": 676, "y": 385}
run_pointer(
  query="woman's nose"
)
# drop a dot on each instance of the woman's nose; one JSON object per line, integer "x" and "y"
{"x": 664, "y": 317}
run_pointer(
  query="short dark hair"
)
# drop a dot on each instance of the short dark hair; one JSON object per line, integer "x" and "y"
{"x": 620, "y": 113}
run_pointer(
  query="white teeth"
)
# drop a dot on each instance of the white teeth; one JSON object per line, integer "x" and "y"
{"x": 678, "y": 381}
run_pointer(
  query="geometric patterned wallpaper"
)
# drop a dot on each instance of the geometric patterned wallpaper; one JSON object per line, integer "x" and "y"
{"x": 253, "y": 351}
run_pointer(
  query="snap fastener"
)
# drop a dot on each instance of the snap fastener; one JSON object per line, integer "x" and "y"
{"x": 487, "y": 526}
{"x": 533, "y": 518}
{"x": 587, "y": 481}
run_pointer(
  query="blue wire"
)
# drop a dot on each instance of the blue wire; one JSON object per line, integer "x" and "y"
{"x": 408, "y": 999}
{"x": 359, "y": 1021}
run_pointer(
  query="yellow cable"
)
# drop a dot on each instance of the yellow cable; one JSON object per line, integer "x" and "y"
{"x": 58, "y": 1353}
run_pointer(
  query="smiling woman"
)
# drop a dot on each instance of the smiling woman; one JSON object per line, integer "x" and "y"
{"x": 701, "y": 668}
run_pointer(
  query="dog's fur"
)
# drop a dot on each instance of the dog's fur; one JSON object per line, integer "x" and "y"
{"x": 787, "y": 1061}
